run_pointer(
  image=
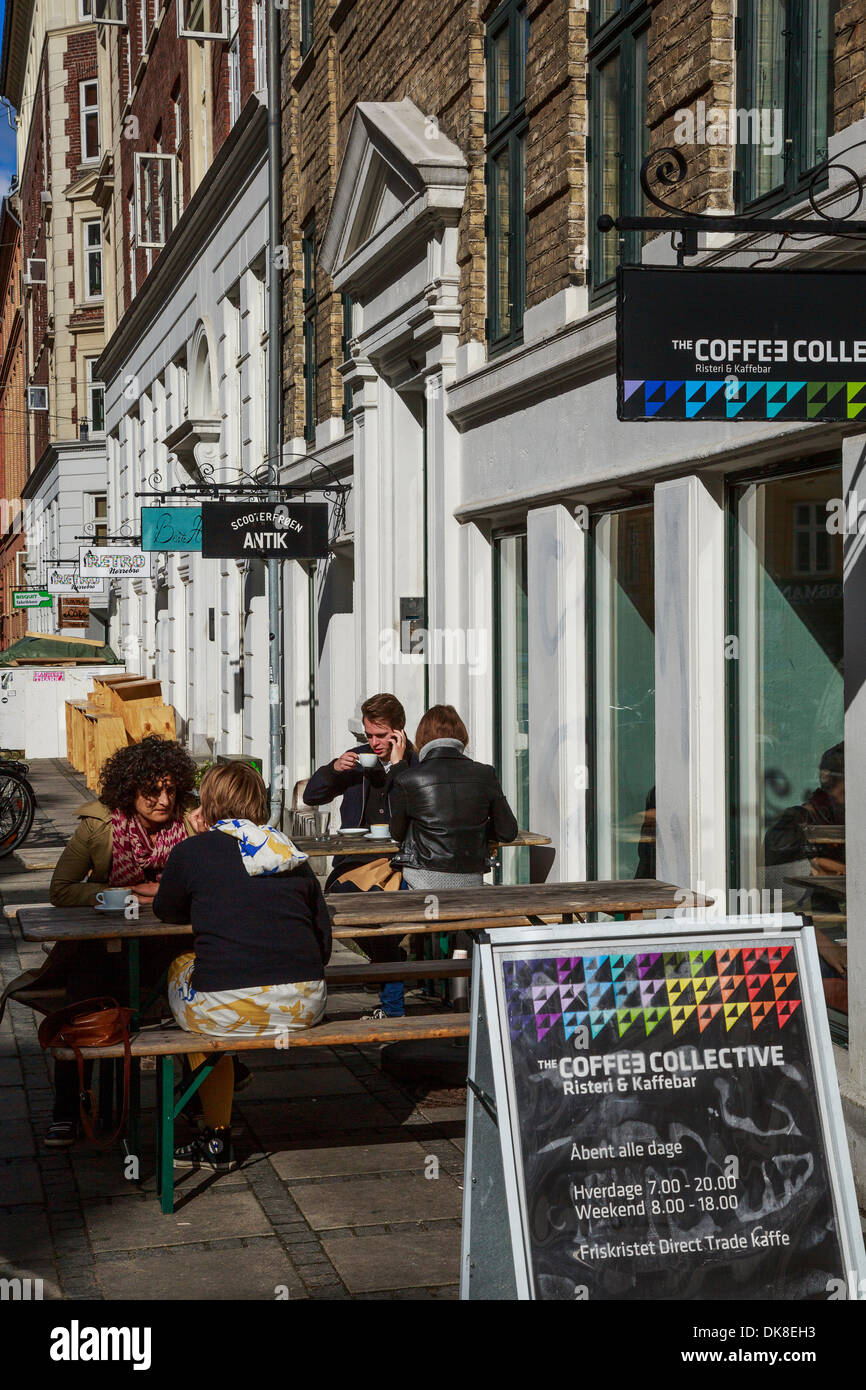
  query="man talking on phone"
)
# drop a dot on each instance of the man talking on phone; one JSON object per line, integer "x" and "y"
{"x": 366, "y": 802}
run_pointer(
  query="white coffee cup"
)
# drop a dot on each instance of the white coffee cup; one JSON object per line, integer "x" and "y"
{"x": 380, "y": 832}
{"x": 113, "y": 897}
{"x": 367, "y": 759}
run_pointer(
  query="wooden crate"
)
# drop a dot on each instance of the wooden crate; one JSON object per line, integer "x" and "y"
{"x": 76, "y": 732}
{"x": 143, "y": 719}
{"x": 140, "y": 706}
{"x": 105, "y": 733}
{"x": 103, "y": 686}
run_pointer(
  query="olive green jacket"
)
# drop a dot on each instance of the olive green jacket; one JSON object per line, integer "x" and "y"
{"x": 84, "y": 867}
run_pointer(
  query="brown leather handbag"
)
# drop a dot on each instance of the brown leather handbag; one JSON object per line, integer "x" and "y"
{"x": 91, "y": 1023}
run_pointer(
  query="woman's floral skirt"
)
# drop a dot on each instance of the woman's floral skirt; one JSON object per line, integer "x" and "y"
{"x": 254, "y": 1012}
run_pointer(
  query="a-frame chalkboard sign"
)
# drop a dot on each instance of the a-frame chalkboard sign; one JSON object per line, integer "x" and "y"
{"x": 654, "y": 1114}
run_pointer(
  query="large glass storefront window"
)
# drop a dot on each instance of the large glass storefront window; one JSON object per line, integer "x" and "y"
{"x": 787, "y": 710}
{"x": 512, "y": 691}
{"x": 622, "y": 665}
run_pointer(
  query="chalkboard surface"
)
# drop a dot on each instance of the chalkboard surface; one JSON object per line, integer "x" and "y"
{"x": 669, "y": 1131}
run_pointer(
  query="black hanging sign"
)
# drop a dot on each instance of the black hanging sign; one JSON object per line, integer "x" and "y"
{"x": 740, "y": 344}
{"x": 264, "y": 530}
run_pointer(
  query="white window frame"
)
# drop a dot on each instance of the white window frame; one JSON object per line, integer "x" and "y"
{"x": 133, "y": 250}
{"x": 260, "y": 44}
{"x": 234, "y": 62}
{"x": 90, "y": 500}
{"x": 85, "y": 10}
{"x": 171, "y": 160}
{"x": 90, "y": 387}
{"x": 103, "y": 18}
{"x": 84, "y": 111}
{"x": 185, "y": 31}
{"x": 89, "y": 250}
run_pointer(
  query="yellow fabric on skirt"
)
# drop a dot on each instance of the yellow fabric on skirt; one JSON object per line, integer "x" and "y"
{"x": 253, "y": 1012}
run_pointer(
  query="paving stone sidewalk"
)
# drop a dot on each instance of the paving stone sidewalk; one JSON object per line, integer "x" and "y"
{"x": 334, "y": 1198}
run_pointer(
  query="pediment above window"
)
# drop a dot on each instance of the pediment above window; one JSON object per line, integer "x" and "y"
{"x": 398, "y": 169}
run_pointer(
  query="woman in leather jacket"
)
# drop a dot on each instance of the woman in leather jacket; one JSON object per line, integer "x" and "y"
{"x": 447, "y": 809}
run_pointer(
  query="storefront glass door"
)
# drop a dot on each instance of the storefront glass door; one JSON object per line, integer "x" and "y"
{"x": 622, "y": 663}
{"x": 512, "y": 691}
{"x": 787, "y": 710}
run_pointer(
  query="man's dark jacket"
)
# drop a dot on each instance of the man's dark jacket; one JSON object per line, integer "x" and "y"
{"x": 446, "y": 810}
{"x": 366, "y": 797}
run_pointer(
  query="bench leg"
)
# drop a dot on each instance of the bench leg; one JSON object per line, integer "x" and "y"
{"x": 165, "y": 1131}
{"x": 167, "y": 1111}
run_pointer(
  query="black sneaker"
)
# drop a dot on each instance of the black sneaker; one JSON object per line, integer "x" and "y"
{"x": 210, "y": 1149}
{"x": 61, "y": 1134}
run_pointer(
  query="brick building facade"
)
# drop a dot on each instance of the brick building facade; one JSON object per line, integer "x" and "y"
{"x": 13, "y": 427}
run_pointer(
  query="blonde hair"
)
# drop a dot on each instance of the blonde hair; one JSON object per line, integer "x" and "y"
{"x": 233, "y": 791}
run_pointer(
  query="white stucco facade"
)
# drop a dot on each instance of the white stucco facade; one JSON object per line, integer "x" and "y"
{"x": 185, "y": 376}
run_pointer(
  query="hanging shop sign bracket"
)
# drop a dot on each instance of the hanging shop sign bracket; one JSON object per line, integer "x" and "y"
{"x": 667, "y": 168}
{"x": 260, "y": 486}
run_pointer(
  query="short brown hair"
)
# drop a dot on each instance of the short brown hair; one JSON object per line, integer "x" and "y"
{"x": 384, "y": 709}
{"x": 440, "y": 721}
{"x": 234, "y": 791}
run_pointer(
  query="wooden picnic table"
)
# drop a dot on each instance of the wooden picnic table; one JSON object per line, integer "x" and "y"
{"x": 824, "y": 834}
{"x": 407, "y": 910}
{"x": 404, "y": 913}
{"x": 835, "y": 884}
{"x": 337, "y": 843}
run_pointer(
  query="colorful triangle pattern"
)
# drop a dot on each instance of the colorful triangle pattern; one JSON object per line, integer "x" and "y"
{"x": 733, "y": 399}
{"x": 741, "y": 988}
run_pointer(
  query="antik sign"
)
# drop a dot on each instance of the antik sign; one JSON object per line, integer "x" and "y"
{"x": 265, "y": 530}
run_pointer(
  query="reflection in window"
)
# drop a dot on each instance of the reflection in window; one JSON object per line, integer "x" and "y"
{"x": 788, "y": 803}
{"x": 512, "y": 685}
{"x": 623, "y": 676}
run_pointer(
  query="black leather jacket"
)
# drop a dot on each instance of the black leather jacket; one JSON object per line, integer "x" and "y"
{"x": 446, "y": 810}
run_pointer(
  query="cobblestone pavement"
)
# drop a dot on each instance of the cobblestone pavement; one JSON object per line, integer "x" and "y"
{"x": 334, "y": 1198}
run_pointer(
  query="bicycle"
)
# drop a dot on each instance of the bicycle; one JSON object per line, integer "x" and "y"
{"x": 17, "y": 805}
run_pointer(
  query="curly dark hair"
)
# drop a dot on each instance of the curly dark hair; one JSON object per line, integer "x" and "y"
{"x": 139, "y": 768}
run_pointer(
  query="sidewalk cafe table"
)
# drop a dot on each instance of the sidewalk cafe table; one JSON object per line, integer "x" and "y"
{"x": 403, "y": 914}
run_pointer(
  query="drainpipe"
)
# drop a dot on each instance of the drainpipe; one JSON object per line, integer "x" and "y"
{"x": 275, "y": 412}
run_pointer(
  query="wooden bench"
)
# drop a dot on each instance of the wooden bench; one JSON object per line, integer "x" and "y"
{"x": 168, "y": 1043}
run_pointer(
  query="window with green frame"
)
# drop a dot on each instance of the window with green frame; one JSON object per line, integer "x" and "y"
{"x": 308, "y": 247}
{"x": 306, "y": 25}
{"x": 507, "y": 40}
{"x": 785, "y": 87}
{"x": 619, "y": 137}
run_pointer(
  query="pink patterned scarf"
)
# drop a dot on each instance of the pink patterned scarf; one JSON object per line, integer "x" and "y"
{"x": 134, "y": 854}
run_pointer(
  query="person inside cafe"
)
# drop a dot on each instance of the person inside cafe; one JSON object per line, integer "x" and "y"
{"x": 123, "y": 840}
{"x": 261, "y": 940}
{"x": 446, "y": 810}
{"x": 366, "y": 793}
{"x": 787, "y": 842}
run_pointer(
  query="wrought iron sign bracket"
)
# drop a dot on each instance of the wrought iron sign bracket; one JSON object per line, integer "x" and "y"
{"x": 670, "y": 171}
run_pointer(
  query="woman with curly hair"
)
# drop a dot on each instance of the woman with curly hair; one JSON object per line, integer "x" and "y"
{"x": 123, "y": 840}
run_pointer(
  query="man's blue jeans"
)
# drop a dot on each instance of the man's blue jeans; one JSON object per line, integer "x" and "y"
{"x": 385, "y": 950}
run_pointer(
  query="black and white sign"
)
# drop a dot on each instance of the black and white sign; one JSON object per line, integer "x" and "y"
{"x": 68, "y": 580}
{"x": 265, "y": 530}
{"x": 740, "y": 344}
{"x": 669, "y": 1125}
{"x": 113, "y": 562}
